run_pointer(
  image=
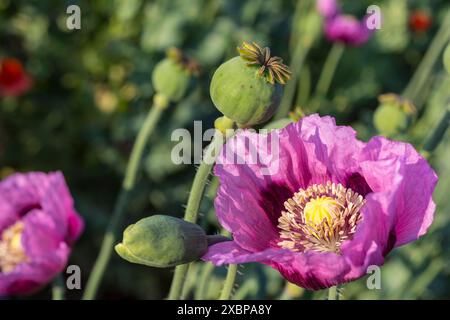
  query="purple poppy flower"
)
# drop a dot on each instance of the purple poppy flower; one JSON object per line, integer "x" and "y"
{"x": 341, "y": 27}
{"x": 328, "y": 8}
{"x": 347, "y": 30}
{"x": 38, "y": 225}
{"x": 335, "y": 205}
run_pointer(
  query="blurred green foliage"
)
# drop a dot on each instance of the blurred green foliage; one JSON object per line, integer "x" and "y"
{"x": 92, "y": 89}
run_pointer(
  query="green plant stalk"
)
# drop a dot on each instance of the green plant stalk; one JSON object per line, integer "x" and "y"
{"x": 437, "y": 134}
{"x": 423, "y": 72}
{"x": 190, "y": 281}
{"x": 421, "y": 283}
{"x": 329, "y": 69}
{"x": 333, "y": 293}
{"x": 304, "y": 87}
{"x": 201, "y": 290}
{"x": 230, "y": 278}
{"x": 298, "y": 59}
{"x": 58, "y": 288}
{"x": 207, "y": 268}
{"x": 193, "y": 204}
{"x": 153, "y": 116}
{"x": 247, "y": 288}
{"x": 229, "y": 282}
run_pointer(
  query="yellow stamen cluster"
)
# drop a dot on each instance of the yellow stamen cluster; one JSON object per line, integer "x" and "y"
{"x": 11, "y": 250}
{"x": 271, "y": 67}
{"x": 320, "y": 218}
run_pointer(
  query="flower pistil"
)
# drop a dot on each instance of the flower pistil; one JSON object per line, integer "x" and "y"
{"x": 320, "y": 218}
{"x": 11, "y": 250}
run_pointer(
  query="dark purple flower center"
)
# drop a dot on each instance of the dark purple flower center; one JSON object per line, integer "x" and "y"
{"x": 28, "y": 208}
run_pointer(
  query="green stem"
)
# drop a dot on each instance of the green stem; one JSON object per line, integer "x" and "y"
{"x": 423, "y": 281}
{"x": 193, "y": 204}
{"x": 333, "y": 293}
{"x": 202, "y": 287}
{"x": 159, "y": 104}
{"x": 301, "y": 50}
{"x": 329, "y": 69}
{"x": 437, "y": 134}
{"x": 249, "y": 287}
{"x": 425, "y": 67}
{"x": 58, "y": 288}
{"x": 229, "y": 282}
{"x": 304, "y": 87}
{"x": 189, "y": 283}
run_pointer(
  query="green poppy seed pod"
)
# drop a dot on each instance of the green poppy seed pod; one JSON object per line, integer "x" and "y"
{"x": 163, "y": 241}
{"x": 447, "y": 58}
{"x": 172, "y": 76}
{"x": 394, "y": 114}
{"x": 248, "y": 88}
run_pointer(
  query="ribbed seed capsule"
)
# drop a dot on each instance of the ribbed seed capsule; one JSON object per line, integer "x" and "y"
{"x": 172, "y": 76}
{"x": 248, "y": 88}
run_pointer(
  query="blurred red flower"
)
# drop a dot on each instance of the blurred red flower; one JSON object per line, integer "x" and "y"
{"x": 420, "y": 21}
{"x": 14, "y": 80}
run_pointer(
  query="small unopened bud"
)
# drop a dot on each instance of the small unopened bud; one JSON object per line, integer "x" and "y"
{"x": 248, "y": 88}
{"x": 393, "y": 115}
{"x": 297, "y": 114}
{"x": 164, "y": 241}
{"x": 172, "y": 77}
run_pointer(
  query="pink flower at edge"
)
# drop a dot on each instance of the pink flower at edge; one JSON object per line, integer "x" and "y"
{"x": 347, "y": 30}
{"x": 328, "y": 8}
{"x": 395, "y": 182}
{"x": 38, "y": 225}
{"x": 14, "y": 80}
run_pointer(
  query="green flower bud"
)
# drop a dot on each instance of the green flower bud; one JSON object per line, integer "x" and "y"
{"x": 247, "y": 89}
{"x": 163, "y": 241}
{"x": 394, "y": 114}
{"x": 172, "y": 77}
{"x": 447, "y": 58}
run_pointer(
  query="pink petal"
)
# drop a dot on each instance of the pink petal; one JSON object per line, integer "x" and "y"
{"x": 412, "y": 181}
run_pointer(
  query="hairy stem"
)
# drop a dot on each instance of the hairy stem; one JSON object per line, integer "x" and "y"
{"x": 229, "y": 282}
{"x": 193, "y": 204}
{"x": 207, "y": 270}
{"x": 333, "y": 293}
{"x": 159, "y": 104}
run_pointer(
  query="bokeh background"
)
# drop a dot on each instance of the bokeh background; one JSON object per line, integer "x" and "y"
{"x": 92, "y": 89}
